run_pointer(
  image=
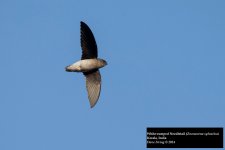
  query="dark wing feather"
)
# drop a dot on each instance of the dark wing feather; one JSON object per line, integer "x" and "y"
{"x": 93, "y": 85}
{"x": 88, "y": 44}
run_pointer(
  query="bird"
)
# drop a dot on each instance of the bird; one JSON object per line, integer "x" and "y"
{"x": 89, "y": 64}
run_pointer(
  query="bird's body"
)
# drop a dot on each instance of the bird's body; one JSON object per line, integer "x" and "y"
{"x": 86, "y": 65}
{"x": 89, "y": 64}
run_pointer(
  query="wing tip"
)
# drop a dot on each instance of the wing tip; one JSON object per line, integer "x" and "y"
{"x": 93, "y": 105}
{"x": 82, "y": 23}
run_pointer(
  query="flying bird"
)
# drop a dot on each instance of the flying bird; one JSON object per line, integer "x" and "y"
{"x": 89, "y": 64}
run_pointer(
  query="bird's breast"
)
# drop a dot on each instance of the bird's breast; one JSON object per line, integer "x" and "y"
{"x": 90, "y": 64}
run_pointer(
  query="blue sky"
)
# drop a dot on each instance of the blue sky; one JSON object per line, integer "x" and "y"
{"x": 165, "y": 69}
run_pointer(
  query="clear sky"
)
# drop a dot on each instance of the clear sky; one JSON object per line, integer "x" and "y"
{"x": 166, "y": 68}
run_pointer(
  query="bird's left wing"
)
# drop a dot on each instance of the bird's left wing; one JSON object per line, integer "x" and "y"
{"x": 93, "y": 85}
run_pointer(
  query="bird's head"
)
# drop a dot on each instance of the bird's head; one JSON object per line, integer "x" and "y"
{"x": 103, "y": 62}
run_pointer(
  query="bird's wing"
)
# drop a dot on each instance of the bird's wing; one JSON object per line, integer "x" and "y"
{"x": 93, "y": 85}
{"x": 88, "y": 44}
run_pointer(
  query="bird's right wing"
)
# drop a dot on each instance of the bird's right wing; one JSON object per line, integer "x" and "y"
{"x": 93, "y": 85}
{"x": 88, "y": 44}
